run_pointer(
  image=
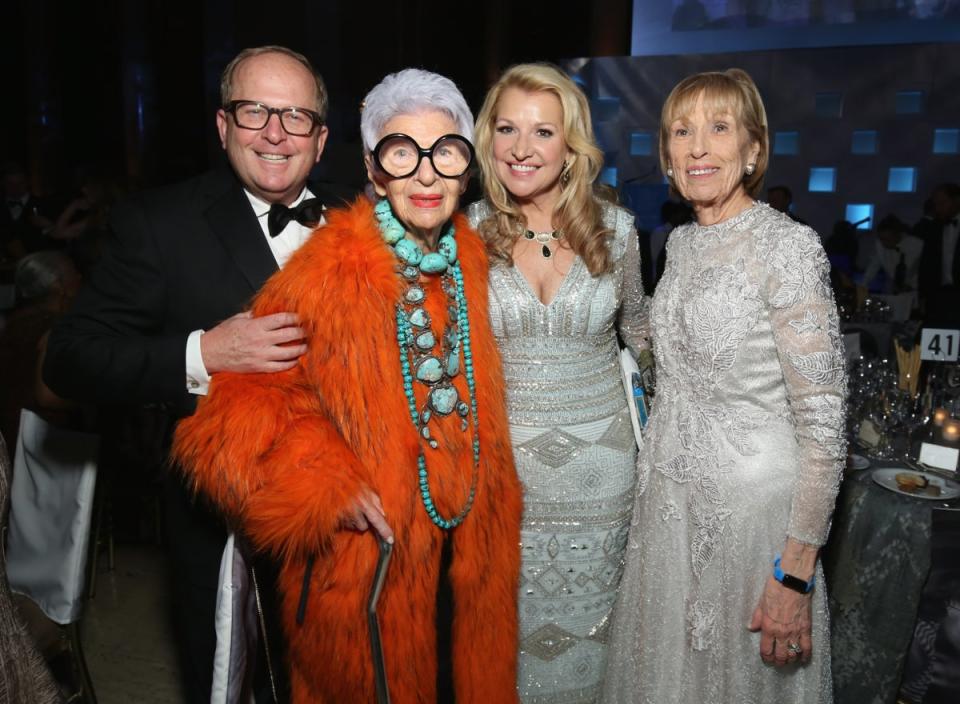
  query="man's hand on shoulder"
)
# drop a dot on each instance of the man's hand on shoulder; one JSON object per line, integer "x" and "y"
{"x": 247, "y": 345}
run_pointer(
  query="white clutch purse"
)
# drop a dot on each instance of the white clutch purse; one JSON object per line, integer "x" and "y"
{"x": 635, "y": 393}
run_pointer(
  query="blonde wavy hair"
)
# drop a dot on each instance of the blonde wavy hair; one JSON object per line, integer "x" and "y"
{"x": 732, "y": 92}
{"x": 578, "y": 213}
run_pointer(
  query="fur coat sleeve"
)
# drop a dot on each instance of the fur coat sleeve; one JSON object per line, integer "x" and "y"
{"x": 269, "y": 449}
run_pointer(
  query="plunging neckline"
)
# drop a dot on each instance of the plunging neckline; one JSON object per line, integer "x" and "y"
{"x": 525, "y": 284}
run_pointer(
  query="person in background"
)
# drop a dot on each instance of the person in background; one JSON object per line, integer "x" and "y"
{"x": 564, "y": 282}
{"x": 895, "y": 262}
{"x": 84, "y": 224}
{"x": 940, "y": 264}
{"x": 163, "y": 311}
{"x": 781, "y": 198}
{"x": 23, "y": 221}
{"x": 842, "y": 249}
{"x": 46, "y": 283}
{"x": 392, "y": 423}
{"x": 672, "y": 215}
{"x": 722, "y": 598}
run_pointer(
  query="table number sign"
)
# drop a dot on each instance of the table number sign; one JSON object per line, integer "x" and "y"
{"x": 939, "y": 456}
{"x": 868, "y": 434}
{"x": 939, "y": 345}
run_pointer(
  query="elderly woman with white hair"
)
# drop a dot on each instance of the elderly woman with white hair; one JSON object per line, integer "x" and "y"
{"x": 392, "y": 423}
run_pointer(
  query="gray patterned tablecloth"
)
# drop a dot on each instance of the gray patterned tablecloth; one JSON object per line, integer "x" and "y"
{"x": 876, "y": 562}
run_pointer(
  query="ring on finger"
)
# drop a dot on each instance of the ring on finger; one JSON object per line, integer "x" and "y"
{"x": 794, "y": 648}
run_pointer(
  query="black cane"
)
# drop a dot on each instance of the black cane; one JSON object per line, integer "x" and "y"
{"x": 376, "y": 645}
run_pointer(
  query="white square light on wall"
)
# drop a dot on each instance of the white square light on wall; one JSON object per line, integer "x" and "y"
{"x": 861, "y": 215}
{"x": 608, "y": 175}
{"x": 864, "y": 142}
{"x": 823, "y": 179}
{"x": 786, "y": 143}
{"x": 946, "y": 141}
{"x": 902, "y": 179}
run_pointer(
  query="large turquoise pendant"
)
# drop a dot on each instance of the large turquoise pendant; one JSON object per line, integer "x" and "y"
{"x": 415, "y": 294}
{"x": 428, "y": 370}
{"x": 443, "y": 399}
{"x": 453, "y": 363}
{"x": 425, "y": 341}
{"x": 419, "y": 318}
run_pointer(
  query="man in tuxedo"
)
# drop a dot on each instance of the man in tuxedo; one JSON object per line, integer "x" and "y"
{"x": 161, "y": 314}
{"x": 940, "y": 263}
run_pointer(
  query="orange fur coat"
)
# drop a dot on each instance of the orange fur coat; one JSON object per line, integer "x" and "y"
{"x": 284, "y": 455}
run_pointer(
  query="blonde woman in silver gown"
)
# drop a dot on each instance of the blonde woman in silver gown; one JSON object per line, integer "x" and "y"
{"x": 743, "y": 454}
{"x": 564, "y": 281}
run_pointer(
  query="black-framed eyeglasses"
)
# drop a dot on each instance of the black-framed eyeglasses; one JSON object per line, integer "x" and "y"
{"x": 251, "y": 115}
{"x": 398, "y": 155}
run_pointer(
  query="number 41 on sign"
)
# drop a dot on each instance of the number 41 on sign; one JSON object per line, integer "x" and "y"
{"x": 939, "y": 345}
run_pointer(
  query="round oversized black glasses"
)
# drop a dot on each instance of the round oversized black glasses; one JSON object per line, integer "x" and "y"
{"x": 398, "y": 155}
{"x": 251, "y": 115}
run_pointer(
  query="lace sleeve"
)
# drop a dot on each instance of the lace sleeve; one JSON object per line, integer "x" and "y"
{"x": 806, "y": 330}
{"x": 633, "y": 318}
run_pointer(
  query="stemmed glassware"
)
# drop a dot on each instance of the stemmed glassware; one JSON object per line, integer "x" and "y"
{"x": 897, "y": 416}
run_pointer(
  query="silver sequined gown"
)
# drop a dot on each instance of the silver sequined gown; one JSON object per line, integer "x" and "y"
{"x": 575, "y": 455}
{"x": 743, "y": 449}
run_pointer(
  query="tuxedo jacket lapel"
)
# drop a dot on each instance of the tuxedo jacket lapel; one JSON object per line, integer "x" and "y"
{"x": 231, "y": 218}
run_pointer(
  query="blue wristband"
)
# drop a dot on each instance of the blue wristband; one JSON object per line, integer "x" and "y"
{"x": 789, "y": 581}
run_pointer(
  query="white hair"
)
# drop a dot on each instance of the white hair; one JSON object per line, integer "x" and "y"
{"x": 409, "y": 92}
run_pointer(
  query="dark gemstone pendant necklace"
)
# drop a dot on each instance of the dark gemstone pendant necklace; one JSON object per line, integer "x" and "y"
{"x": 543, "y": 238}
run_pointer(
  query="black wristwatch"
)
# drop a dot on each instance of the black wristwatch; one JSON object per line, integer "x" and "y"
{"x": 791, "y": 582}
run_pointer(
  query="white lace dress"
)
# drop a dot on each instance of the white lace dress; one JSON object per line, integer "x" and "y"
{"x": 744, "y": 448}
{"x": 575, "y": 455}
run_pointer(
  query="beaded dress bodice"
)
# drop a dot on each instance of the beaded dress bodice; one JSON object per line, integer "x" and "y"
{"x": 560, "y": 359}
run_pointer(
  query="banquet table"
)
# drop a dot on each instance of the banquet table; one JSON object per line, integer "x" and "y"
{"x": 876, "y": 563}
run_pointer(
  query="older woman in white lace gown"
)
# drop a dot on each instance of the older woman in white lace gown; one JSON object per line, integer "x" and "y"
{"x": 722, "y": 598}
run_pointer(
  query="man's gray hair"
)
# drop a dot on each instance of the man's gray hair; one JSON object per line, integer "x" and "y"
{"x": 409, "y": 92}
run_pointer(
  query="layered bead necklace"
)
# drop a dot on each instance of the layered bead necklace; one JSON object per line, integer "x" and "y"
{"x": 426, "y": 360}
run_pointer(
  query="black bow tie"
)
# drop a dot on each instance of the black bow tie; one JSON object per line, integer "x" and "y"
{"x": 307, "y": 214}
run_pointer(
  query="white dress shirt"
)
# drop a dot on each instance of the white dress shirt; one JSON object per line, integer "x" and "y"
{"x": 16, "y": 206}
{"x": 886, "y": 260}
{"x": 282, "y": 246}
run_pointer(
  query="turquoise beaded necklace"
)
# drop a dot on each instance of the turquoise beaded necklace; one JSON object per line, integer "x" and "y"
{"x": 419, "y": 359}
